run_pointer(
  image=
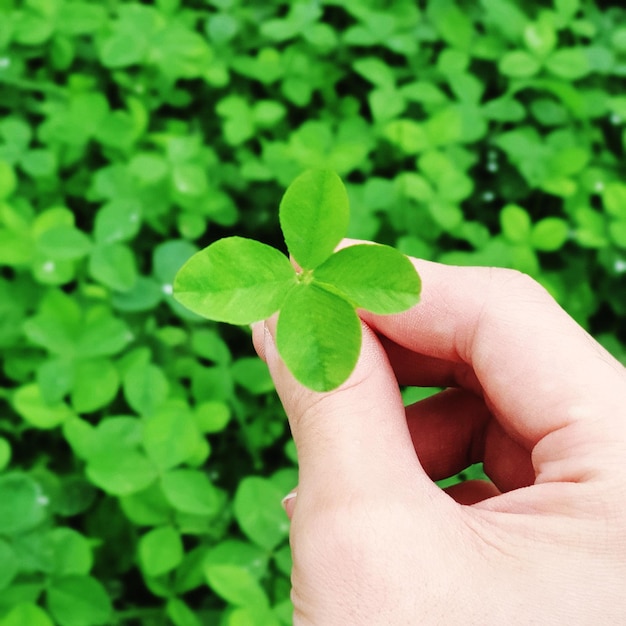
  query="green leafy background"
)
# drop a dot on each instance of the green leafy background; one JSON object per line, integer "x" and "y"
{"x": 143, "y": 454}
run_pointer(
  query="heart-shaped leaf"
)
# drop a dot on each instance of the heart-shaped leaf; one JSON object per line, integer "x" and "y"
{"x": 235, "y": 280}
{"x": 318, "y": 336}
{"x": 314, "y": 215}
{"x": 374, "y": 277}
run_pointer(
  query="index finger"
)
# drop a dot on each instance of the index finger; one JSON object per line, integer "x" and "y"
{"x": 540, "y": 372}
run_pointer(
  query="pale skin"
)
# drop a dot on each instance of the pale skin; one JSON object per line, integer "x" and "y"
{"x": 529, "y": 393}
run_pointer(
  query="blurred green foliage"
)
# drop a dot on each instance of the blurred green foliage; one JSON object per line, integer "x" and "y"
{"x": 143, "y": 453}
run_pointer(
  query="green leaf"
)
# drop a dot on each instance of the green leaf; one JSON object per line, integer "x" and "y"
{"x": 23, "y": 505}
{"x": 5, "y": 455}
{"x": 386, "y": 104}
{"x": 314, "y": 215}
{"x": 617, "y": 231}
{"x": 102, "y": 334}
{"x": 191, "y": 491}
{"x": 95, "y": 384}
{"x": 212, "y": 416}
{"x": 410, "y": 136}
{"x": 540, "y": 37}
{"x": 118, "y": 220}
{"x": 181, "y": 614}
{"x": 121, "y": 474}
{"x": 147, "y": 507}
{"x": 614, "y": 200}
{"x": 567, "y": 9}
{"x": 241, "y": 553}
{"x": 72, "y": 552}
{"x": 170, "y": 436}
{"x": 373, "y": 277}
{"x": 519, "y": 64}
{"x": 258, "y": 511}
{"x": 549, "y": 234}
{"x": 144, "y": 295}
{"x": 79, "y": 601}
{"x": 55, "y": 378}
{"x": 169, "y": 257}
{"x": 376, "y": 71}
{"x": 114, "y": 266}
{"x": 235, "y": 280}
{"x": 515, "y": 223}
{"x": 252, "y": 374}
{"x": 236, "y": 585}
{"x": 569, "y": 63}
{"x": 26, "y": 614}
{"x": 453, "y": 24}
{"x": 64, "y": 243}
{"x": 190, "y": 179}
{"x": 55, "y": 325}
{"x": 319, "y": 337}
{"x": 80, "y": 18}
{"x": 255, "y": 616}
{"x": 160, "y": 551}
{"x": 10, "y": 565}
{"x": 145, "y": 387}
{"x": 30, "y": 404}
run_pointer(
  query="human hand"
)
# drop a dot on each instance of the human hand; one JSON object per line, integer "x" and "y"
{"x": 530, "y": 394}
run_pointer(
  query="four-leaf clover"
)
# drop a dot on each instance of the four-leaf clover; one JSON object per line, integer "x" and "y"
{"x": 318, "y": 333}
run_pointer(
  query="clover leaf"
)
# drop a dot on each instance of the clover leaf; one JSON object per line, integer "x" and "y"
{"x": 318, "y": 334}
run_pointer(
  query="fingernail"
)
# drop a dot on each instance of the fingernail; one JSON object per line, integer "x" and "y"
{"x": 288, "y": 502}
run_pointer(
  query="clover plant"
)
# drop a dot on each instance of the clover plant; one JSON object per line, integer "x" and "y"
{"x": 318, "y": 333}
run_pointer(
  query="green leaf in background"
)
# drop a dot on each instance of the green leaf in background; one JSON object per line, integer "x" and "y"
{"x": 170, "y": 436}
{"x": 72, "y": 552}
{"x": 240, "y": 553}
{"x": 259, "y": 513}
{"x": 569, "y": 63}
{"x": 257, "y": 616}
{"x": 319, "y": 337}
{"x": 8, "y": 180}
{"x": 519, "y": 64}
{"x": 515, "y": 223}
{"x": 236, "y": 585}
{"x": 181, "y": 614}
{"x": 55, "y": 378}
{"x": 29, "y": 402}
{"x": 79, "y": 601}
{"x": 614, "y": 199}
{"x": 373, "y": 277}
{"x": 147, "y": 507}
{"x": 160, "y": 551}
{"x": 314, "y": 215}
{"x": 23, "y": 504}
{"x": 5, "y": 454}
{"x": 121, "y": 472}
{"x": 115, "y": 462}
{"x": 118, "y": 220}
{"x": 190, "y": 491}
{"x": 212, "y": 416}
{"x": 114, "y": 266}
{"x": 10, "y": 564}
{"x": 235, "y": 280}
{"x": 95, "y": 384}
{"x": 145, "y": 387}
{"x": 64, "y": 243}
{"x": 252, "y": 374}
{"x": 549, "y": 234}
{"x": 26, "y": 614}
{"x": 101, "y": 334}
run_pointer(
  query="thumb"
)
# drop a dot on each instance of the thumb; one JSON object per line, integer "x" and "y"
{"x": 353, "y": 440}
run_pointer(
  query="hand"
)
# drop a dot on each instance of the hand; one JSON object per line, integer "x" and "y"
{"x": 530, "y": 394}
